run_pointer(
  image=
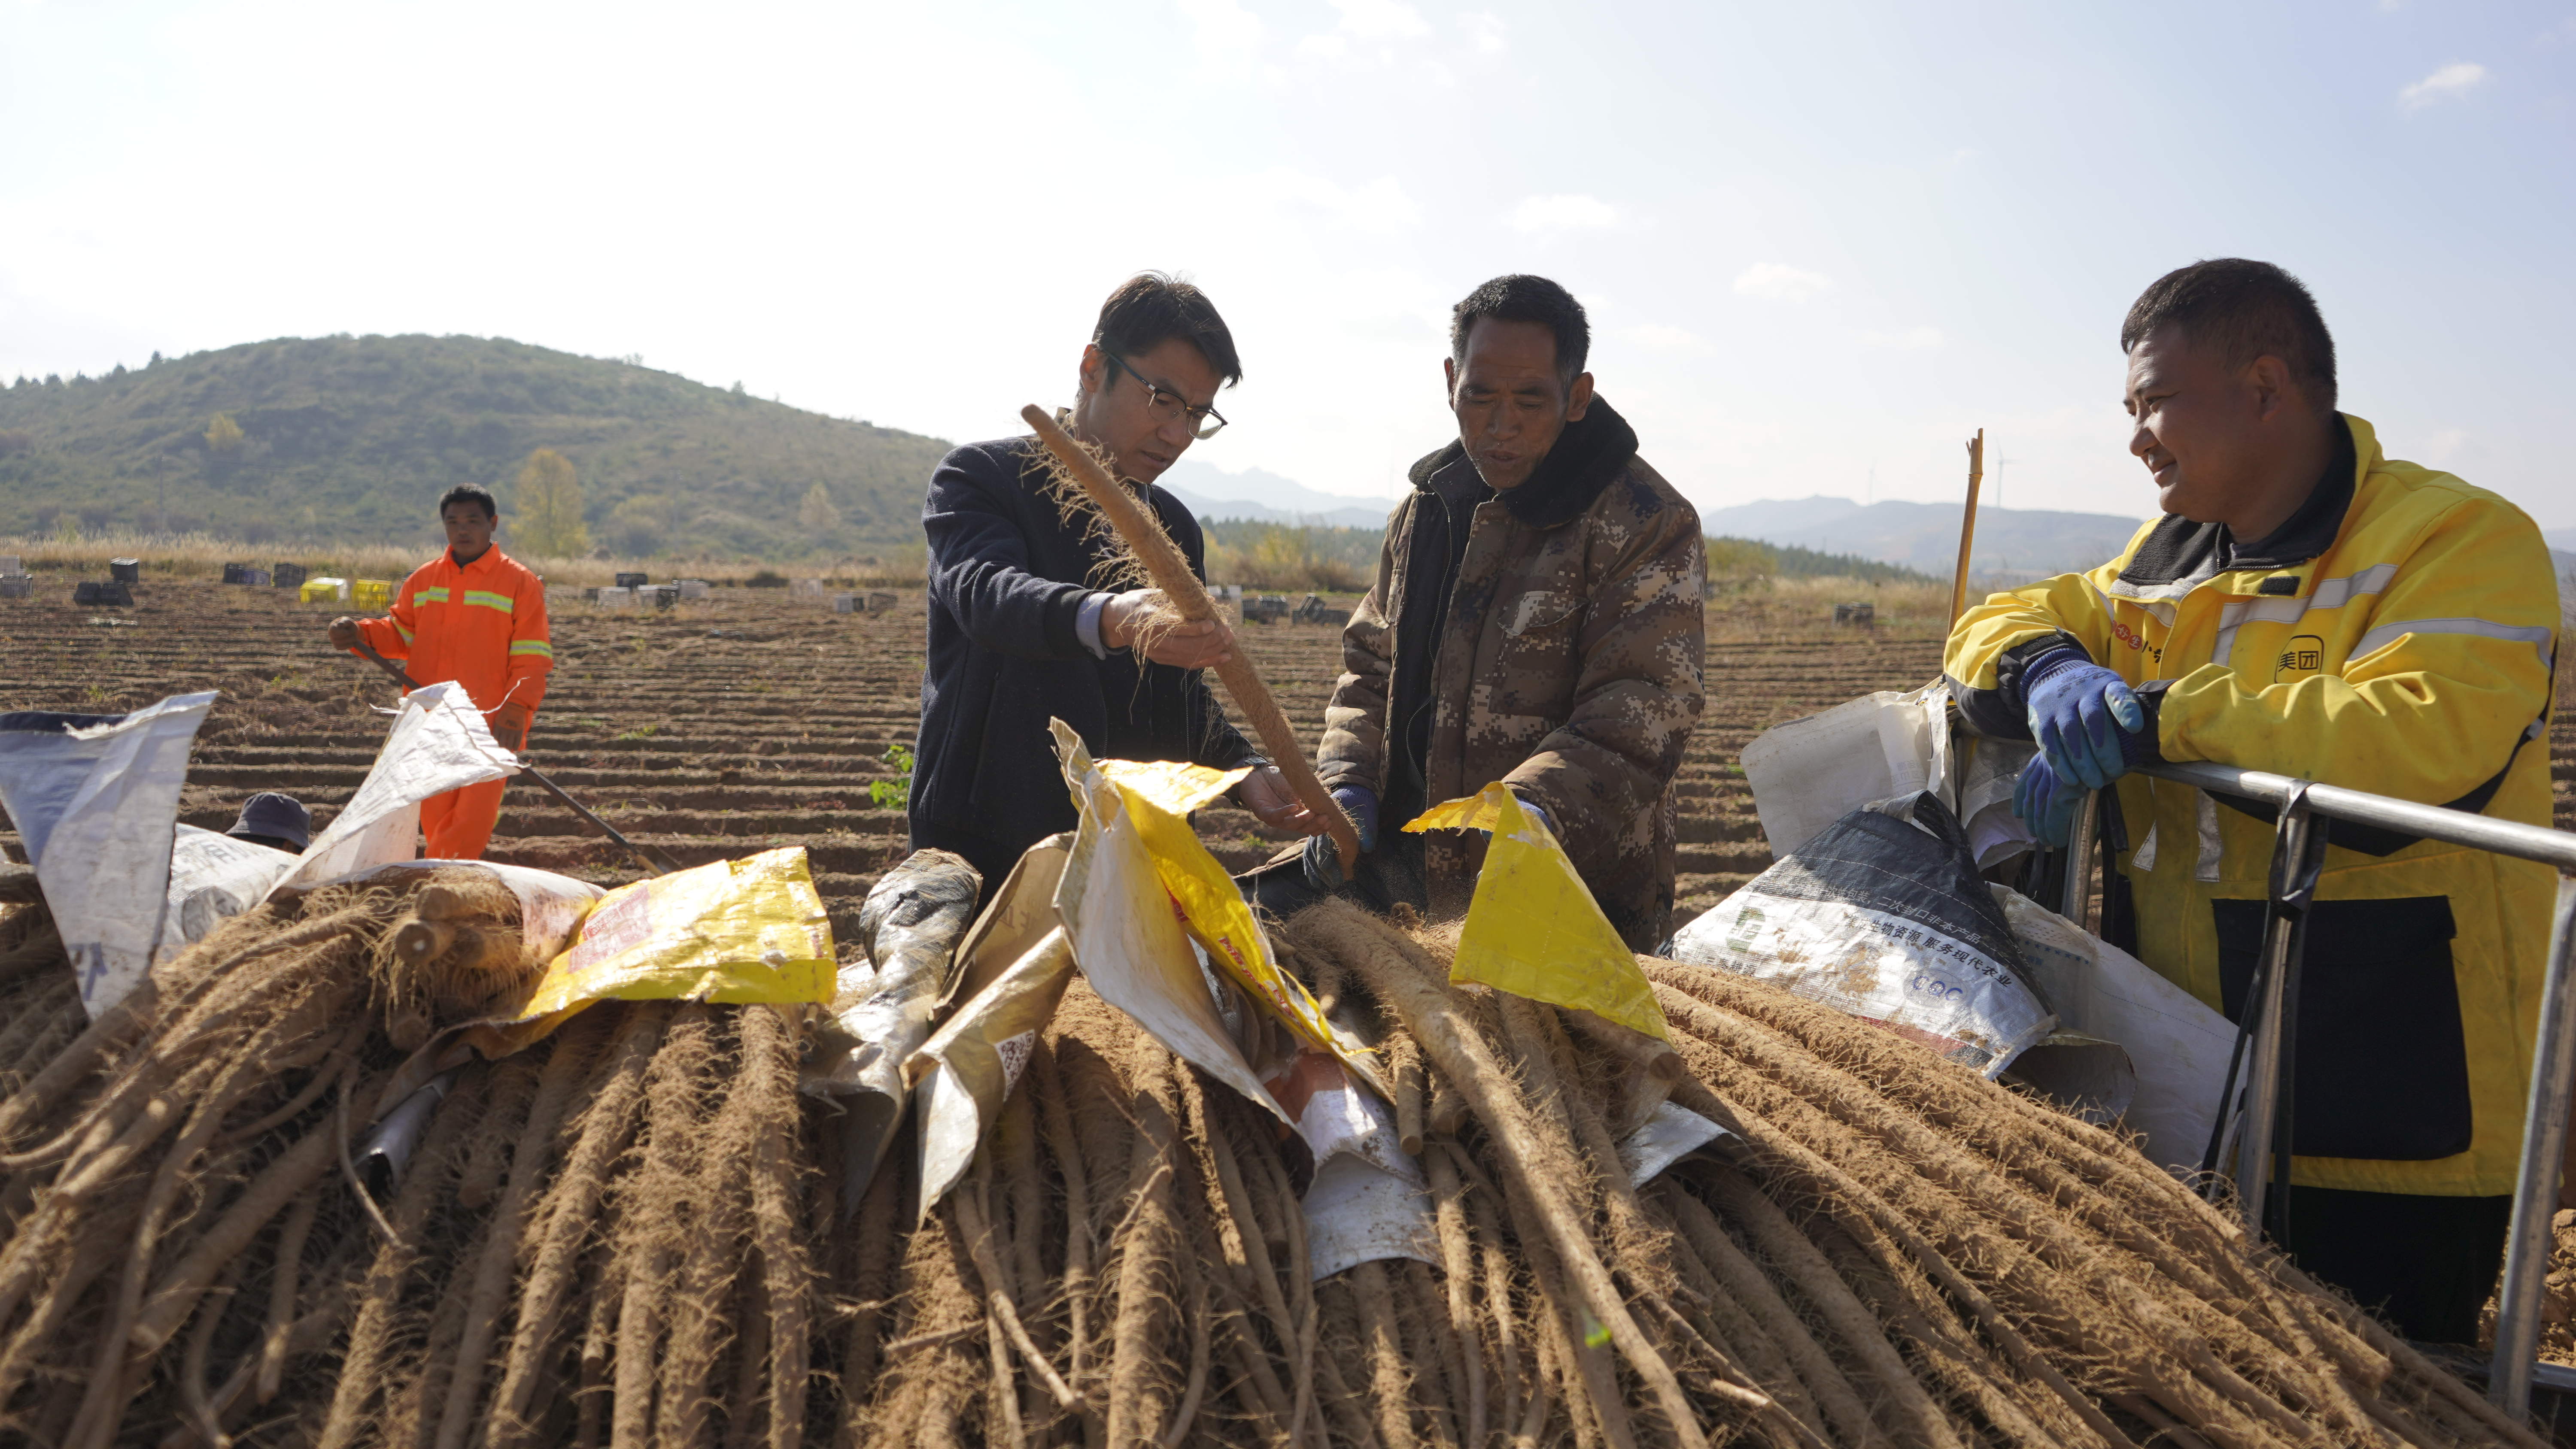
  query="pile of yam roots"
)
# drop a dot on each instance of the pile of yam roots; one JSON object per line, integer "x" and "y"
{"x": 627, "y": 1233}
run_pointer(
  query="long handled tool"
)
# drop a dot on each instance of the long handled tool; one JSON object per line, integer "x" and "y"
{"x": 1171, "y": 573}
{"x": 651, "y": 858}
{"x": 1968, "y": 526}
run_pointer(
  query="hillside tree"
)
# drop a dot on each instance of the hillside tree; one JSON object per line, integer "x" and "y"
{"x": 817, "y": 512}
{"x": 636, "y": 526}
{"x": 223, "y": 435}
{"x": 549, "y": 519}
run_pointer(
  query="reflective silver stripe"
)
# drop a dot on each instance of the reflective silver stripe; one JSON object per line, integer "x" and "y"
{"x": 2335, "y": 593}
{"x": 2144, "y": 857}
{"x": 2537, "y": 636}
{"x": 2162, "y": 610}
{"x": 2168, "y": 591}
{"x": 2269, "y": 611}
{"x": 2328, "y": 594}
{"x": 2205, "y": 868}
{"x": 2145, "y": 593}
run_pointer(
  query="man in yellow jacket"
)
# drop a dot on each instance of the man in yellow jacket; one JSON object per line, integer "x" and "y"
{"x": 2310, "y": 607}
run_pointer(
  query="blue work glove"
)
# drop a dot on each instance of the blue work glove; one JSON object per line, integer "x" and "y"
{"x": 2084, "y": 718}
{"x": 1360, "y": 803}
{"x": 1538, "y": 813}
{"x": 1322, "y": 860}
{"x": 2046, "y": 803}
{"x": 1533, "y": 810}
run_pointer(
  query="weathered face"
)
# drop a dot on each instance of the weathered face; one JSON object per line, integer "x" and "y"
{"x": 2199, "y": 425}
{"x": 1116, "y": 410}
{"x": 1511, "y": 405}
{"x": 469, "y": 529}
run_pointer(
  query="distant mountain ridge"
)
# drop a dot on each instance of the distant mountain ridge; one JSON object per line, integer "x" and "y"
{"x": 1925, "y": 536}
{"x": 353, "y": 438}
{"x": 1261, "y": 496}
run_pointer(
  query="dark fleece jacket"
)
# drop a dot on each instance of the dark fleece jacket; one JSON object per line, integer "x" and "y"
{"x": 1587, "y": 455}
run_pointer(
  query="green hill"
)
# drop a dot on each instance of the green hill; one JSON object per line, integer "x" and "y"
{"x": 1740, "y": 558}
{"x": 351, "y": 438}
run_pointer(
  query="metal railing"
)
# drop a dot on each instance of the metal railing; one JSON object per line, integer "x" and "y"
{"x": 2297, "y": 851}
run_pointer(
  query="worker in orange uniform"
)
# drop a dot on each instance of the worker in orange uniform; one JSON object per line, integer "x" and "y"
{"x": 478, "y": 617}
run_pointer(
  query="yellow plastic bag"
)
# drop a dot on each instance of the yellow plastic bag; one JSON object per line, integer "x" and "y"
{"x": 1160, "y": 794}
{"x": 1157, "y": 797}
{"x": 735, "y": 931}
{"x": 1532, "y": 927}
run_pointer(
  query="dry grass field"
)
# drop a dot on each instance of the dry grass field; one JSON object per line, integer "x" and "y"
{"x": 757, "y": 718}
{"x": 181, "y": 557}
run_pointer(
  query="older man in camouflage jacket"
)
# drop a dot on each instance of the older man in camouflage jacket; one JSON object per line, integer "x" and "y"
{"x": 1536, "y": 619}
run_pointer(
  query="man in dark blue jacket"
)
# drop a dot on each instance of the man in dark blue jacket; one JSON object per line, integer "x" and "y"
{"x": 1018, "y": 632}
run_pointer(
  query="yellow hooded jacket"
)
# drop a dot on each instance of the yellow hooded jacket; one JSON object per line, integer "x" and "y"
{"x": 2397, "y": 635}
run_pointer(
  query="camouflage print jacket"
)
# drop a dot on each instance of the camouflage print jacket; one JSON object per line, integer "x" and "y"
{"x": 1569, "y": 665}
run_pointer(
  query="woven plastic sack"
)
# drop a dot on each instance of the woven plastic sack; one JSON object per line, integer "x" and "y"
{"x": 1884, "y": 917}
{"x": 1809, "y": 773}
{"x": 1532, "y": 927}
{"x": 733, "y": 931}
{"x": 1367, "y": 1199}
{"x": 884, "y": 1002}
{"x": 97, "y": 806}
{"x": 1138, "y": 890}
{"x": 438, "y": 742}
{"x": 212, "y": 879}
{"x": 2178, "y": 1047}
{"x": 1013, "y": 968}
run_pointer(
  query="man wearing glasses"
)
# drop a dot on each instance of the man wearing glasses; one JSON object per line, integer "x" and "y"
{"x": 1018, "y": 634}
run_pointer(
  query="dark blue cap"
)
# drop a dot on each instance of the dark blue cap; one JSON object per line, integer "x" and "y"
{"x": 271, "y": 816}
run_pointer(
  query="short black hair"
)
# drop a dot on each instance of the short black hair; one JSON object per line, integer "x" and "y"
{"x": 1521, "y": 297}
{"x": 1151, "y": 308}
{"x": 2246, "y": 310}
{"x": 470, "y": 493}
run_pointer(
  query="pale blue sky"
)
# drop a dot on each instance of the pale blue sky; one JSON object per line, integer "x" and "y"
{"x": 1822, "y": 243}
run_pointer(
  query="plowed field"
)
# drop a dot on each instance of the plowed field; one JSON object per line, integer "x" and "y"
{"x": 755, "y": 719}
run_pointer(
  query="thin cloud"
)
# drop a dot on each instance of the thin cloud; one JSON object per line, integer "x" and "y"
{"x": 1548, "y": 216}
{"x": 1780, "y": 282}
{"x": 1911, "y": 339}
{"x": 1381, "y": 19}
{"x": 1484, "y": 31}
{"x": 2447, "y": 84}
{"x": 1662, "y": 337}
{"x": 1221, "y": 25}
{"x": 1380, "y": 206}
{"x": 1330, "y": 47}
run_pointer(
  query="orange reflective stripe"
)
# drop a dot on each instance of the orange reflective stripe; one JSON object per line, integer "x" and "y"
{"x": 492, "y": 636}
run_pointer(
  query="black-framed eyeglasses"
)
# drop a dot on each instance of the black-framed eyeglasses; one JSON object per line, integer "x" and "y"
{"x": 1165, "y": 404}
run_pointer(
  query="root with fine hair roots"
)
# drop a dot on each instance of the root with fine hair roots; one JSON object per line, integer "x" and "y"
{"x": 627, "y": 1234}
{"x": 180, "y": 1248}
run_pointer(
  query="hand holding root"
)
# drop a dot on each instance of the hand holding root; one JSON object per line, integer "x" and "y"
{"x": 1266, "y": 794}
{"x": 1144, "y": 620}
{"x": 344, "y": 633}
